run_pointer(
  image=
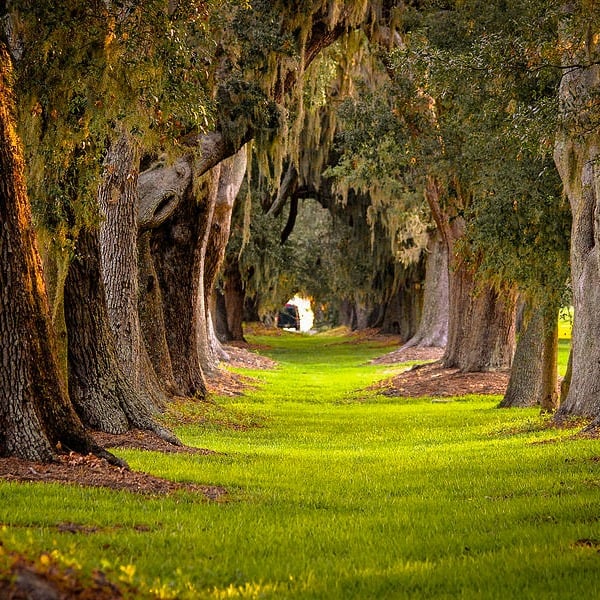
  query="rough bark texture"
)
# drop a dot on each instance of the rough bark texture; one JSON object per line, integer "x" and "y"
{"x": 481, "y": 321}
{"x": 174, "y": 249}
{"x": 402, "y": 312}
{"x": 481, "y": 330}
{"x": 576, "y": 155}
{"x": 117, "y": 199}
{"x": 533, "y": 378}
{"x": 102, "y": 393}
{"x": 231, "y": 175}
{"x": 35, "y": 411}
{"x": 433, "y": 328}
{"x": 152, "y": 321}
{"x": 161, "y": 189}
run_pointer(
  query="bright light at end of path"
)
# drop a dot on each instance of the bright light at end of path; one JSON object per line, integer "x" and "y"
{"x": 307, "y": 317}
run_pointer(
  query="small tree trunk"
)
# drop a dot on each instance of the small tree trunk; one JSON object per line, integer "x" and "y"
{"x": 550, "y": 397}
{"x": 35, "y": 411}
{"x": 234, "y": 295}
{"x": 103, "y": 395}
{"x": 433, "y": 327}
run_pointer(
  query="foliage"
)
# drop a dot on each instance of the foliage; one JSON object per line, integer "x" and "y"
{"x": 341, "y": 494}
{"x": 471, "y": 105}
{"x": 89, "y": 72}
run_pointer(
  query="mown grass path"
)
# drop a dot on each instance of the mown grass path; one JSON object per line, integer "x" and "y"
{"x": 336, "y": 492}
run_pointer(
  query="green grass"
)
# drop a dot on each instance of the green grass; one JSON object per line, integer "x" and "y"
{"x": 341, "y": 493}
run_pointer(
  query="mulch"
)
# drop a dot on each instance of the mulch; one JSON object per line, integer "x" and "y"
{"x": 91, "y": 471}
{"x": 433, "y": 380}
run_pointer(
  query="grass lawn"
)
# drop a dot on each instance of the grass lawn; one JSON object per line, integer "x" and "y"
{"x": 340, "y": 493}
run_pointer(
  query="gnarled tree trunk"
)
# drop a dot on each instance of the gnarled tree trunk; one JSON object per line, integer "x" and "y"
{"x": 35, "y": 411}
{"x": 174, "y": 248}
{"x": 577, "y": 152}
{"x": 117, "y": 199}
{"x": 161, "y": 189}
{"x": 104, "y": 396}
{"x": 231, "y": 175}
{"x": 481, "y": 320}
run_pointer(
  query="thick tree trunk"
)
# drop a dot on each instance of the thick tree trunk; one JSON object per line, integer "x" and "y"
{"x": 402, "y": 312}
{"x": 481, "y": 326}
{"x": 117, "y": 199}
{"x": 577, "y": 152}
{"x": 152, "y": 321}
{"x": 161, "y": 189}
{"x": 35, "y": 411}
{"x": 481, "y": 321}
{"x": 433, "y": 327}
{"x": 231, "y": 175}
{"x": 103, "y": 395}
{"x": 174, "y": 249}
{"x": 533, "y": 378}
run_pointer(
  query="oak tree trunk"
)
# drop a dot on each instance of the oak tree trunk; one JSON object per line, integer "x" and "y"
{"x": 576, "y": 155}
{"x": 533, "y": 377}
{"x": 102, "y": 393}
{"x": 234, "y": 294}
{"x": 481, "y": 325}
{"x": 35, "y": 412}
{"x": 117, "y": 199}
{"x": 433, "y": 327}
{"x": 174, "y": 247}
{"x": 161, "y": 189}
{"x": 481, "y": 320}
{"x": 231, "y": 175}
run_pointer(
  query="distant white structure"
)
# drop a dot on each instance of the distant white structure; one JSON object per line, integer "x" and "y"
{"x": 307, "y": 317}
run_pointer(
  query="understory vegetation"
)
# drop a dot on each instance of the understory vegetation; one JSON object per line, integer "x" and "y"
{"x": 336, "y": 491}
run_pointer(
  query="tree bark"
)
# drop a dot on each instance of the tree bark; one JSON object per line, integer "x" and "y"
{"x": 103, "y": 395}
{"x": 234, "y": 294}
{"x": 481, "y": 320}
{"x": 35, "y": 411}
{"x": 433, "y": 327}
{"x": 231, "y": 175}
{"x": 161, "y": 189}
{"x": 117, "y": 199}
{"x": 533, "y": 378}
{"x": 174, "y": 248}
{"x": 576, "y": 155}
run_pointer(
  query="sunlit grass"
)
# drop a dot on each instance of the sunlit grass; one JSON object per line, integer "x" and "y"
{"x": 335, "y": 492}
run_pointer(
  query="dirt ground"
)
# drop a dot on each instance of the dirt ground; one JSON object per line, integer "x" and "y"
{"x": 432, "y": 379}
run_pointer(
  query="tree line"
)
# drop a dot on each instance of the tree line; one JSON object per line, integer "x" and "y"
{"x": 157, "y": 162}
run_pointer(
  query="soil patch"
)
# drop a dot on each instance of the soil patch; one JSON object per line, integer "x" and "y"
{"x": 90, "y": 471}
{"x": 433, "y": 380}
{"x": 47, "y": 579}
{"x": 144, "y": 440}
{"x": 241, "y": 354}
{"x": 404, "y": 355}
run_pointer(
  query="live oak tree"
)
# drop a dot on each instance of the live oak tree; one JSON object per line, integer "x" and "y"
{"x": 36, "y": 416}
{"x": 576, "y": 156}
